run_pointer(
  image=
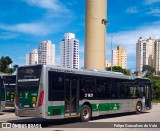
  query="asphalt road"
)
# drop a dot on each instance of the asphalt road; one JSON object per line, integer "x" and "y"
{"x": 150, "y": 118}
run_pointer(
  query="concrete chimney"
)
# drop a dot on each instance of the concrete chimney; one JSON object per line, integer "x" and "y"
{"x": 95, "y": 34}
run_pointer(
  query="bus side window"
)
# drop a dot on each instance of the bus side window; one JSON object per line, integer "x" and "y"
{"x": 101, "y": 88}
{"x": 132, "y": 92}
{"x": 110, "y": 89}
{"x": 87, "y": 87}
{"x": 56, "y": 86}
{"x": 125, "y": 89}
{"x": 139, "y": 91}
{"x": 82, "y": 88}
{"x": 118, "y": 94}
{"x": 122, "y": 92}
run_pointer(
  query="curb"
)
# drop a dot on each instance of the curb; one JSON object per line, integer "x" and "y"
{"x": 1, "y": 113}
{"x": 155, "y": 103}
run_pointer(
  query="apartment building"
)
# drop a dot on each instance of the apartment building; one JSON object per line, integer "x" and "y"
{"x": 119, "y": 57}
{"x": 46, "y": 53}
{"x": 69, "y": 51}
{"x": 32, "y": 58}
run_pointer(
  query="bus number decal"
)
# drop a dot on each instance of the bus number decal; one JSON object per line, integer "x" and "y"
{"x": 89, "y": 95}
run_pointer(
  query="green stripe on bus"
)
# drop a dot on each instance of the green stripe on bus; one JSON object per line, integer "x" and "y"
{"x": 105, "y": 106}
{"x": 95, "y": 108}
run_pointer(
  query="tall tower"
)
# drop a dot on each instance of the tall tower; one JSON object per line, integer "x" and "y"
{"x": 95, "y": 34}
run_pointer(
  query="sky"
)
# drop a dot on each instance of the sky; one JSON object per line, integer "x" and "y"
{"x": 26, "y": 23}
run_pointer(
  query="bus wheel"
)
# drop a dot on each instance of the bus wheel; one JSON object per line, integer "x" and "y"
{"x": 85, "y": 113}
{"x": 138, "y": 108}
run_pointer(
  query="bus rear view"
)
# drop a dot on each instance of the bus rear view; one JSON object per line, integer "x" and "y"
{"x": 9, "y": 84}
{"x": 2, "y": 94}
{"x": 29, "y": 91}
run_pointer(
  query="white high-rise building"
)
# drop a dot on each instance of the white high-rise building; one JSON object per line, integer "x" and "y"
{"x": 69, "y": 51}
{"x": 119, "y": 57}
{"x": 46, "y": 53}
{"x": 32, "y": 58}
{"x": 144, "y": 53}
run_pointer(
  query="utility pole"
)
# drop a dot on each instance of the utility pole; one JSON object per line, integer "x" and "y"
{"x": 111, "y": 54}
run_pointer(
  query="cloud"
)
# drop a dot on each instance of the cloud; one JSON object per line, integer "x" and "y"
{"x": 154, "y": 12}
{"x": 8, "y": 35}
{"x": 149, "y": 7}
{"x": 148, "y": 2}
{"x": 54, "y": 5}
{"x": 27, "y": 28}
{"x": 132, "y": 10}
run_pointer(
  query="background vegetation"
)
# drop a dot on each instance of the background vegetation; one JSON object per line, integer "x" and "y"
{"x": 119, "y": 69}
{"x": 5, "y": 62}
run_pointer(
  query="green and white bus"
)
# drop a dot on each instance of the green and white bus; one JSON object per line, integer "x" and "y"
{"x": 9, "y": 85}
{"x": 2, "y": 94}
{"x": 51, "y": 92}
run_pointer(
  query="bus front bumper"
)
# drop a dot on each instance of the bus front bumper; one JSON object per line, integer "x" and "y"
{"x": 28, "y": 113}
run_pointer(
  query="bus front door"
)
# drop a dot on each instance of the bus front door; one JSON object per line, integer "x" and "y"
{"x": 71, "y": 96}
{"x": 148, "y": 96}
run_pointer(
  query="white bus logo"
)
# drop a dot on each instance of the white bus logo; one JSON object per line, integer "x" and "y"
{"x": 26, "y": 95}
{"x": 115, "y": 107}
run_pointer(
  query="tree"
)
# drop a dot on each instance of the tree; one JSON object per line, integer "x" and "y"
{"x": 150, "y": 70}
{"x": 5, "y": 61}
{"x": 119, "y": 69}
{"x": 9, "y": 70}
{"x": 155, "y": 82}
{"x": 15, "y": 67}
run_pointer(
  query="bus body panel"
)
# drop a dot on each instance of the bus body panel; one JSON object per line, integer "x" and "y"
{"x": 53, "y": 109}
{"x": 103, "y": 107}
{"x": 99, "y": 107}
{"x": 2, "y": 105}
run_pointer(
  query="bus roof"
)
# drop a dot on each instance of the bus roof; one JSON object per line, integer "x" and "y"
{"x": 93, "y": 72}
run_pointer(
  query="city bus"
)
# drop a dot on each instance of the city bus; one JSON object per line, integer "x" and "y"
{"x": 51, "y": 92}
{"x": 9, "y": 85}
{"x": 2, "y": 94}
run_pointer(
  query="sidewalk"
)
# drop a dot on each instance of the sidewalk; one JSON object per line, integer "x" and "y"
{"x": 155, "y": 103}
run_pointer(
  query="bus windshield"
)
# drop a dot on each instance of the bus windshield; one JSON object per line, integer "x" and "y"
{"x": 29, "y": 73}
{"x": 9, "y": 79}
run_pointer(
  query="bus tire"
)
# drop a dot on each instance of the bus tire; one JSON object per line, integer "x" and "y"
{"x": 85, "y": 113}
{"x": 138, "y": 108}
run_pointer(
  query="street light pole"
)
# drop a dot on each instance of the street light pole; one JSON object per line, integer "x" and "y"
{"x": 111, "y": 54}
